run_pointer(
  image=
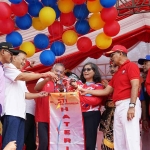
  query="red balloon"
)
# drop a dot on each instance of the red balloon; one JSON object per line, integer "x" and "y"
{"x": 111, "y": 29}
{"x": 79, "y": 2}
{"x": 19, "y": 9}
{"x": 56, "y": 29}
{"x": 84, "y": 44}
{"x": 67, "y": 19}
{"x": 7, "y": 26}
{"x": 109, "y": 14}
{"x": 5, "y": 11}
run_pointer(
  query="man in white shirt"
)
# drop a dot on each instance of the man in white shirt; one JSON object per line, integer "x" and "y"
{"x": 15, "y": 94}
{"x": 6, "y": 53}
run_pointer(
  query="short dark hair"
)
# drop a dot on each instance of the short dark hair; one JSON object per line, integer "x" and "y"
{"x": 96, "y": 77}
{"x": 20, "y": 51}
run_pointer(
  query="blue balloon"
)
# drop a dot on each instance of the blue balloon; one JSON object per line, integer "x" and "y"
{"x": 15, "y": 1}
{"x": 49, "y": 2}
{"x": 82, "y": 27}
{"x": 41, "y": 41}
{"x": 14, "y": 38}
{"x": 34, "y": 8}
{"x": 47, "y": 57}
{"x": 24, "y": 22}
{"x": 58, "y": 48}
{"x": 81, "y": 11}
{"x": 31, "y": 1}
{"x": 57, "y": 11}
{"x": 108, "y": 3}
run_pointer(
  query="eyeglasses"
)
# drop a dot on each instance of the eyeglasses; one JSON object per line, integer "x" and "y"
{"x": 9, "y": 52}
{"x": 87, "y": 69}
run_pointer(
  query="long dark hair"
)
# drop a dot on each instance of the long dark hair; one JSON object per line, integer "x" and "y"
{"x": 96, "y": 77}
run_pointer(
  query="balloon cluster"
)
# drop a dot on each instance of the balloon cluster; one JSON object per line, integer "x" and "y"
{"x": 67, "y": 19}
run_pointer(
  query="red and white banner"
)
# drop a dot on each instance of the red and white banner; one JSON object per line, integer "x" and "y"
{"x": 66, "y": 126}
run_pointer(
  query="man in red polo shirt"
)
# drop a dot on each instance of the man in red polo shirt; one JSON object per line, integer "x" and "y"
{"x": 125, "y": 87}
{"x": 42, "y": 115}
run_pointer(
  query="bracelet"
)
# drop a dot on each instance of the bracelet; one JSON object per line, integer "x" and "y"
{"x": 133, "y": 103}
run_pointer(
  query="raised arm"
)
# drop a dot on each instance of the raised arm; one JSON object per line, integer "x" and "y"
{"x": 35, "y": 95}
{"x": 24, "y": 76}
{"x": 39, "y": 86}
{"x": 108, "y": 90}
{"x": 91, "y": 100}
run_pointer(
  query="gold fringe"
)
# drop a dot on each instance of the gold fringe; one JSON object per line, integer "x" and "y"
{"x": 108, "y": 143}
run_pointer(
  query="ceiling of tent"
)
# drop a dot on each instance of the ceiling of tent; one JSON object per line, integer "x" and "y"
{"x": 134, "y": 28}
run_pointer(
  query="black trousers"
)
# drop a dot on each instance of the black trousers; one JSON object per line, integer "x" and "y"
{"x": 43, "y": 129}
{"x": 91, "y": 123}
{"x": 30, "y": 129}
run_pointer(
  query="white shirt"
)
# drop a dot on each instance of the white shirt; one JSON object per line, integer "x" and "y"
{"x": 2, "y": 86}
{"x": 30, "y": 106}
{"x": 14, "y": 104}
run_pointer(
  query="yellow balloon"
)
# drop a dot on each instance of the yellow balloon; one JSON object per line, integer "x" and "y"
{"x": 28, "y": 47}
{"x": 69, "y": 37}
{"x": 103, "y": 41}
{"x": 94, "y": 6}
{"x": 65, "y": 6}
{"x": 36, "y": 23}
{"x": 96, "y": 22}
{"x": 47, "y": 16}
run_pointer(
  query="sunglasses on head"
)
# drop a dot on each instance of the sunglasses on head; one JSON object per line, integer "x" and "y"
{"x": 87, "y": 69}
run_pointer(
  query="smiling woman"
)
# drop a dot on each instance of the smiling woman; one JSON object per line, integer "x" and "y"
{"x": 90, "y": 105}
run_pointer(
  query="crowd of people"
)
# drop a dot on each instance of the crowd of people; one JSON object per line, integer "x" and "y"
{"x": 25, "y": 115}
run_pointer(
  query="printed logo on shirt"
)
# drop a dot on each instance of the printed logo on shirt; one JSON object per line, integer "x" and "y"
{"x": 123, "y": 71}
{"x": 90, "y": 88}
{"x": 85, "y": 106}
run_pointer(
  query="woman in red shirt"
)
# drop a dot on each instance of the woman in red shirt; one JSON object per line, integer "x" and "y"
{"x": 90, "y": 105}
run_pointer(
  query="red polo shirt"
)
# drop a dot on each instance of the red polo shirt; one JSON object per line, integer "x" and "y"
{"x": 42, "y": 104}
{"x": 42, "y": 109}
{"x": 121, "y": 80}
{"x": 147, "y": 83}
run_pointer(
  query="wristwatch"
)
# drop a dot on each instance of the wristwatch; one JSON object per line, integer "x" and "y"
{"x": 131, "y": 105}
